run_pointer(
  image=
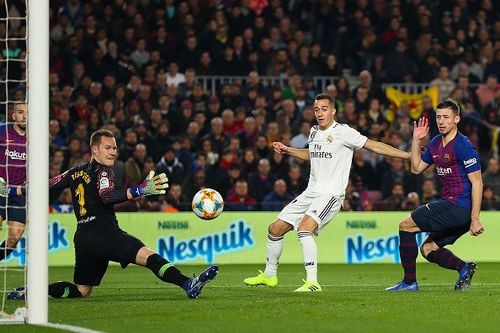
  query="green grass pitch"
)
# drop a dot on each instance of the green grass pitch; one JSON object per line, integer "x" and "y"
{"x": 353, "y": 300}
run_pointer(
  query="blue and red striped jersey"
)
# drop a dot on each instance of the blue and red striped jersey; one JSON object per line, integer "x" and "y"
{"x": 453, "y": 162}
{"x": 13, "y": 156}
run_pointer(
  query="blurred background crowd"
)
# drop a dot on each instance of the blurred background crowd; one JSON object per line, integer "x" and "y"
{"x": 149, "y": 71}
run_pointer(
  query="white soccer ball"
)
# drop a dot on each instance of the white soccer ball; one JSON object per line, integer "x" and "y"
{"x": 207, "y": 204}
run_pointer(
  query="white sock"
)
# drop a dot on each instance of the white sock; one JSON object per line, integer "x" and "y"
{"x": 310, "y": 253}
{"x": 274, "y": 249}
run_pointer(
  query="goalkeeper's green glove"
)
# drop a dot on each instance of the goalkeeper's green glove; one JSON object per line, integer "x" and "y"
{"x": 6, "y": 190}
{"x": 151, "y": 185}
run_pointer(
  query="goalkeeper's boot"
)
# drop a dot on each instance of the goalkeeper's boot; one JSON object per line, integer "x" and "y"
{"x": 193, "y": 286}
{"x": 465, "y": 276}
{"x": 18, "y": 294}
{"x": 262, "y": 280}
{"x": 403, "y": 286}
{"x": 309, "y": 286}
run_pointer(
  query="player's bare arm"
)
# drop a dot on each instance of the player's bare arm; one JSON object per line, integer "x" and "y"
{"x": 280, "y": 148}
{"x": 420, "y": 131}
{"x": 476, "y": 228}
{"x": 383, "y": 149}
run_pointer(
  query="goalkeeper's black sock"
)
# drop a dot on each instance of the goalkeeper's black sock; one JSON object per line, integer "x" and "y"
{"x": 4, "y": 253}
{"x": 165, "y": 270}
{"x": 63, "y": 289}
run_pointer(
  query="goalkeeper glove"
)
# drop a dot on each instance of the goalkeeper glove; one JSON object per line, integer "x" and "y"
{"x": 151, "y": 185}
{"x": 6, "y": 190}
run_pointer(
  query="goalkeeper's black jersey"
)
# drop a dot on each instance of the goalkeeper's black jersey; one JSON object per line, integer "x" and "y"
{"x": 93, "y": 191}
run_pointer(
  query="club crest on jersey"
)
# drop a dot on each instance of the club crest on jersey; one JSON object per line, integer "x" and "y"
{"x": 104, "y": 183}
{"x": 329, "y": 139}
{"x": 446, "y": 157}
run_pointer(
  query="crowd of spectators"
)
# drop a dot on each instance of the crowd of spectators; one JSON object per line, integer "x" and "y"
{"x": 133, "y": 67}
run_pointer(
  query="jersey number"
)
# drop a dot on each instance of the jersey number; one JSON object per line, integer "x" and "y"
{"x": 80, "y": 193}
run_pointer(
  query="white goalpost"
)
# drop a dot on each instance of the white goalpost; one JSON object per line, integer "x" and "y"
{"x": 35, "y": 21}
{"x": 38, "y": 165}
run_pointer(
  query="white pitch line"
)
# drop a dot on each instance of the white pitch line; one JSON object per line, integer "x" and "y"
{"x": 477, "y": 284}
{"x": 70, "y": 328}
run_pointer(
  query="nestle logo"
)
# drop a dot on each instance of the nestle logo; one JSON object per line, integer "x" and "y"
{"x": 470, "y": 162}
{"x": 15, "y": 155}
{"x": 173, "y": 225}
{"x": 361, "y": 225}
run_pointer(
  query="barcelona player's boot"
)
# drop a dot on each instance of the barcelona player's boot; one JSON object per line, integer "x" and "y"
{"x": 18, "y": 294}
{"x": 465, "y": 276}
{"x": 403, "y": 286}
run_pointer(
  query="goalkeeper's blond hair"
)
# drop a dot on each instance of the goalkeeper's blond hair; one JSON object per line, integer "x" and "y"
{"x": 95, "y": 138}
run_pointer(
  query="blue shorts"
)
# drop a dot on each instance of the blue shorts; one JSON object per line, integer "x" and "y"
{"x": 13, "y": 209}
{"x": 445, "y": 221}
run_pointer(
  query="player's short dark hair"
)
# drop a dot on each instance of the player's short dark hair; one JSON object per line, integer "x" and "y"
{"x": 325, "y": 96}
{"x": 95, "y": 138}
{"x": 449, "y": 104}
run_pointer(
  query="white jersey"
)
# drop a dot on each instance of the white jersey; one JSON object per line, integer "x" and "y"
{"x": 331, "y": 152}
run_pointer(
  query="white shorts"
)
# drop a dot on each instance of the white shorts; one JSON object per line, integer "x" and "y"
{"x": 321, "y": 208}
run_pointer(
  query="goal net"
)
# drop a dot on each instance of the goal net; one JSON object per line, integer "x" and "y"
{"x": 23, "y": 253}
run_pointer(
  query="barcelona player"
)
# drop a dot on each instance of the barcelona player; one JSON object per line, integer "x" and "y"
{"x": 456, "y": 213}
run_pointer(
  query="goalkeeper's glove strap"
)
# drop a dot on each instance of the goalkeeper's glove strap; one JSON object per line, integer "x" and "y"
{"x": 136, "y": 191}
{"x": 12, "y": 191}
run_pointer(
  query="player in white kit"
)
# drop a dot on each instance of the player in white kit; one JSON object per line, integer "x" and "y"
{"x": 331, "y": 148}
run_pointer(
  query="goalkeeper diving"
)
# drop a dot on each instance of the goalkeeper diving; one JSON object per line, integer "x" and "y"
{"x": 98, "y": 238}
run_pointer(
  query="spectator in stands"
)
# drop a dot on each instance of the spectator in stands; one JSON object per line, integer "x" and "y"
{"x": 443, "y": 83}
{"x": 140, "y": 56}
{"x": 411, "y": 202}
{"x": 99, "y": 67}
{"x": 216, "y": 135}
{"x": 492, "y": 174}
{"x": 262, "y": 146}
{"x": 363, "y": 170}
{"x": 56, "y": 140}
{"x": 135, "y": 164}
{"x": 173, "y": 77}
{"x": 429, "y": 192}
{"x": 396, "y": 174}
{"x": 490, "y": 200}
{"x": 278, "y": 198}
{"x": 261, "y": 182}
{"x": 239, "y": 198}
{"x": 302, "y": 138}
{"x": 396, "y": 199}
{"x": 185, "y": 89}
{"x": 486, "y": 92}
{"x": 400, "y": 67}
{"x": 171, "y": 166}
{"x": 175, "y": 198}
{"x": 248, "y": 136}
{"x": 194, "y": 183}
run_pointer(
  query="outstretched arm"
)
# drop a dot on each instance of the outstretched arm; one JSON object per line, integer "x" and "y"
{"x": 151, "y": 185}
{"x": 280, "y": 148}
{"x": 60, "y": 182}
{"x": 385, "y": 150}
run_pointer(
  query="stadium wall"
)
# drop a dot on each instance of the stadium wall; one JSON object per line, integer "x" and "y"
{"x": 240, "y": 237}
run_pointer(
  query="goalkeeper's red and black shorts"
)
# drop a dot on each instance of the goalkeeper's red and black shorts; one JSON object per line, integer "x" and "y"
{"x": 95, "y": 248}
{"x": 13, "y": 209}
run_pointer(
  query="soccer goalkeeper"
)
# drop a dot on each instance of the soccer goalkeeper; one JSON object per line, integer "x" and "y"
{"x": 98, "y": 238}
